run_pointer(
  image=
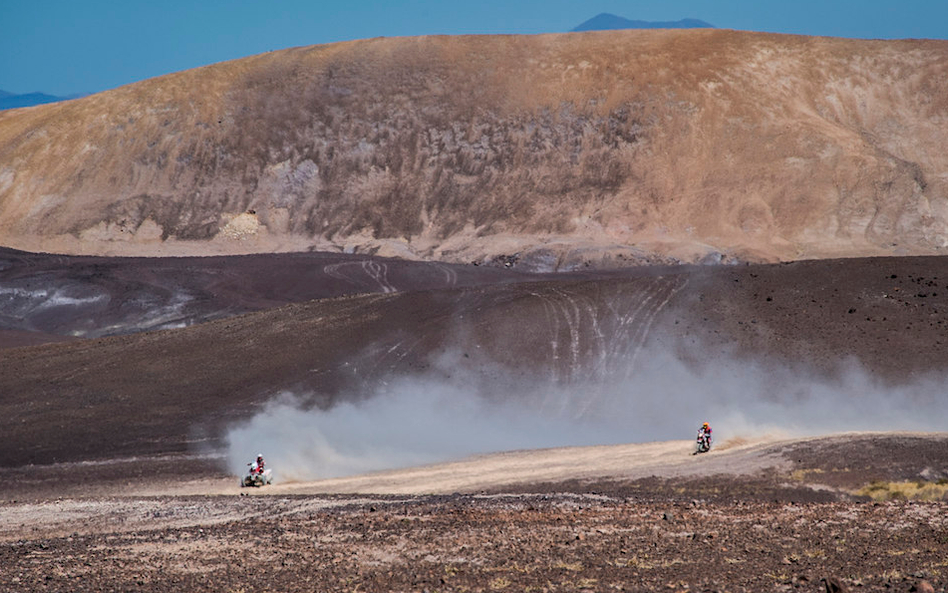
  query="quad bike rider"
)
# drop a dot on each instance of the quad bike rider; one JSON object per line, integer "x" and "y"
{"x": 258, "y": 475}
{"x": 703, "y": 442}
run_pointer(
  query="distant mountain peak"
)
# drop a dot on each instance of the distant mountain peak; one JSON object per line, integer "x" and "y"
{"x": 13, "y": 100}
{"x": 607, "y": 22}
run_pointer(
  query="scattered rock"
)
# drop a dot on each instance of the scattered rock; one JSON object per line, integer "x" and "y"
{"x": 833, "y": 585}
{"x": 923, "y": 587}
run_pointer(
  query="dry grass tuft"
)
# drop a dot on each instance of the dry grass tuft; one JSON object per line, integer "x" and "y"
{"x": 919, "y": 490}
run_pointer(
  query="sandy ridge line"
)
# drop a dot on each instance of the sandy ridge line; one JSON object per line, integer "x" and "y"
{"x": 493, "y": 471}
{"x": 205, "y": 502}
{"x": 666, "y": 459}
{"x": 60, "y": 518}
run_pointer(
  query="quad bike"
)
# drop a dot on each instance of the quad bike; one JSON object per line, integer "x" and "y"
{"x": 702, "y": 443}
{"x": 256, "y": 477}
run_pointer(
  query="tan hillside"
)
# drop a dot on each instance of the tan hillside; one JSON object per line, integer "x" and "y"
{"x": 561, "y": 148}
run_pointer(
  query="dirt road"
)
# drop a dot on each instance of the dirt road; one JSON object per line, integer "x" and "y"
{"x": 755, "y": 516}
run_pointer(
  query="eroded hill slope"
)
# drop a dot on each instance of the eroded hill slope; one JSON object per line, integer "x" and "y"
{"x": 615, "y": 146}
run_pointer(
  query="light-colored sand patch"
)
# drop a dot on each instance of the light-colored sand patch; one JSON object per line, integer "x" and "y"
{"x": 123, "y": 514}
{"x": 669, "y": 459}
{"x": 490, "y": 472}
{"x": 240, "y": 226}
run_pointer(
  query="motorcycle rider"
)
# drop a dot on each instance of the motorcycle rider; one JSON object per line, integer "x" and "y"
{"x": 257, "y": 475}
{"x": 258, "y": 466}
{"x": 705, "y": 433}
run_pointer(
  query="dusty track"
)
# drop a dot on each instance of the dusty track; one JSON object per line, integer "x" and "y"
{"x": 519, "y": 469}
{"x": 826, "y": 466}
{"x": 638, "y": 517}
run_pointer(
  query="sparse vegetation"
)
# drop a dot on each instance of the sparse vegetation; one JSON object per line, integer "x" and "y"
{"x": 909, "y": 490}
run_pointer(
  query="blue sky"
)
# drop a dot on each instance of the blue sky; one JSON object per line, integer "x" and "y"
{"x": 78, "y": 46}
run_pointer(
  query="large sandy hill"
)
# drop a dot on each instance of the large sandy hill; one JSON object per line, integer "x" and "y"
{"x": 564, "y": 149}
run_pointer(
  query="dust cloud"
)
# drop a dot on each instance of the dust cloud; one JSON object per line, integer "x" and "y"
{"x": 457, "y": 411}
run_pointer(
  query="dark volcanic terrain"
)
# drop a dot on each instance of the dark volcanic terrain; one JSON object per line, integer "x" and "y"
{"x": 49, "y": 297}
{"x": 817, "y": 318}
{"x": 887, "y": 315}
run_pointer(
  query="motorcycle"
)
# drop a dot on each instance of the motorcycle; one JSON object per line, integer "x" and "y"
{"x": 256, "y": 477}
{"x": 702, "y": 443}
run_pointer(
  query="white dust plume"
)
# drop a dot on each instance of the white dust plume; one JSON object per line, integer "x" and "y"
{"x": 417, "y": 420}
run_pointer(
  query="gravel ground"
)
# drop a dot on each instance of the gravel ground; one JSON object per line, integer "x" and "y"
{"x": 522, "y": 542}
{"x": 806, "y": 518}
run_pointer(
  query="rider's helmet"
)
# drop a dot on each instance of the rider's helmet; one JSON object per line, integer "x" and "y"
{"x": 259, "y": 458}
{"x": 705, "y": 425}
